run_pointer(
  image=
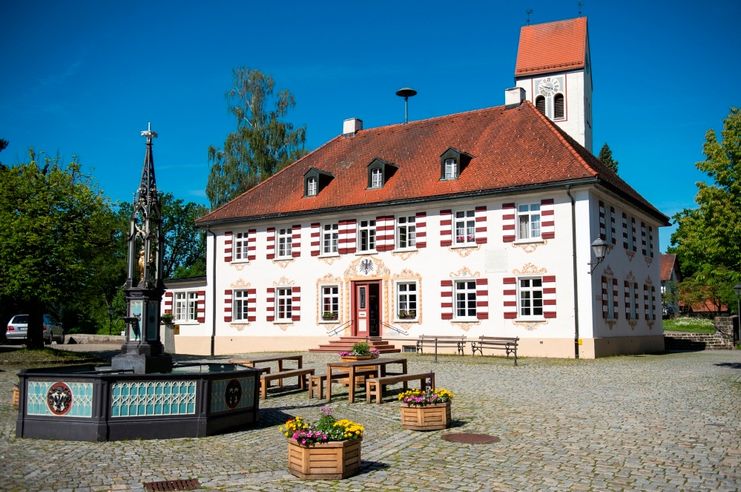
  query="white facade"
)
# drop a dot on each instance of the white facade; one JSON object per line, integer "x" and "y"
{"x": 489, "y": 271}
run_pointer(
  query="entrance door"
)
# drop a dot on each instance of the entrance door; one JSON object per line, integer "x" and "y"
{"x": 367, "y": 302}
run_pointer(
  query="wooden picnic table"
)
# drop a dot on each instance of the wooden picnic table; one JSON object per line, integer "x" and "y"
{"x": 280, "y": 359}
{"x": 350, "y": 367}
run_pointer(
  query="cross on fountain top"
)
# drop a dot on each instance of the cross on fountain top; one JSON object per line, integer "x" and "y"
{"x": 149, "y": 133}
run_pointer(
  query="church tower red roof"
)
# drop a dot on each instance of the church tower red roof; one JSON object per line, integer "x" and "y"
{"x": 552, "y": 47}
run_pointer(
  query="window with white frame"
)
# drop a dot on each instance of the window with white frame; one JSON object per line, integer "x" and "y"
{"x": 330, "y": 235}
{"x": 406, "y": 300}
{"x": 284, "y": 242}
{"x": 240, "y": 246}
{"x": 330, "y": 302}
{"x": 239, "y": 305}
{"x": 609, "y": 221}
{"x": 283, "y": 301}
{"x": 528, "y": 221}
{"x": 367, "y": 235}
{"x": 465, "y": 227}
{"x": 629, "y": 228}
{"x": 451, "y": 169}
{"x": 312, "y": 186}
{"x": 465, "y": 299}
{"x": 376, "y": 178}
{"x": 633, "y": 300}
{"x": 611, "y": 300}
{"x": 530, "y": 297}
{"x": 185, "y": 306}
{"x": 406, "y": 232}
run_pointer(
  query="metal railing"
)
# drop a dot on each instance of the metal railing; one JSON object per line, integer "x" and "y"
{"x": 339, "y": 328}
{"x": 396, "y": 329}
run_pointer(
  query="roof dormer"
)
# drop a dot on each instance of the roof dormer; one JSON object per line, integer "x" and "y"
{"x": 452, "y": 163}
{"x": 315, "y": 180}
{"x": 379, "y": 172}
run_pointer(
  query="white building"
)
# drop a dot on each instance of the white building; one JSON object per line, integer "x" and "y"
{"x": 477, "y": 223}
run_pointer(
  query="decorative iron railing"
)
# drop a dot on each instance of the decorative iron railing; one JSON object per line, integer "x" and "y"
{"x": 339, "y": 328}
{"x": 396, "y": 329}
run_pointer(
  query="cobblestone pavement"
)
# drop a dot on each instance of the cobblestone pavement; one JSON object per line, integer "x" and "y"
{"x": 659, "y": 422}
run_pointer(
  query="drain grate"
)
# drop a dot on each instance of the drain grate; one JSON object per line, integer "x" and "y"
{"x": 470, "y": 438}
{"x": 169, "y": 485}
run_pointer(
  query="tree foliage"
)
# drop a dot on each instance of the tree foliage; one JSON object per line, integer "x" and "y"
{"x": 261, "y": 144}
{"x": 605, "y": 155}
{"x": 55, "y": 243}
{"x": 708, "y": 238}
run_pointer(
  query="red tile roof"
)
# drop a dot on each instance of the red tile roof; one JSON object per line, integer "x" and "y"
{"x": 552, "y": 47}
{"x": 667, "y": 266}
{"x": 511, "y": 149}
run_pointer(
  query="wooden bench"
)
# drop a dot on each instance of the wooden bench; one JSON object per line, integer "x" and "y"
{"x": 374, "y": 386}
{"x": 265, "y": 379}
{"x": 509, "y": 345}
{"x": 459, "y": 342}
{"x": 317, "y": 383}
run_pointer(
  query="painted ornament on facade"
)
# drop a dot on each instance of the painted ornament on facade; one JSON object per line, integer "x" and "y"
{"x": 59, "y": 398}
{"x": 233, "y": 394}
{"x": 366, "y": 266}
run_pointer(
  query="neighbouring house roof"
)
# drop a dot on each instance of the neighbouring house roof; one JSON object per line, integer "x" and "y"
{"x": 667, "y": 266}
{"x": 510, "y": 150}
{"x": 183, "y": 283}
{"x": 552, "y": 47}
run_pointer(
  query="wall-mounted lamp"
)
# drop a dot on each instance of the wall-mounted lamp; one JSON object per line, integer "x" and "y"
{"x": 599, "y": 250}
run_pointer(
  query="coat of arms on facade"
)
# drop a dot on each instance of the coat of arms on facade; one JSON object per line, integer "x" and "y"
{"x": 366, "y": 266}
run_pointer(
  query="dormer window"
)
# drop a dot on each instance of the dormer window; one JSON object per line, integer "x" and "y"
{"x": 315, "y": 180}
{"x": 452, "y": 164}
{"x": 379, "y": 172}
{"x": 451, "y": 169}
{"x": 312, "y": 186}
{"x": 376, "y": 178}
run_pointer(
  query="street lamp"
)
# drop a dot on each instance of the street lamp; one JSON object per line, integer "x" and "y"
{"x": 599, "y": 250}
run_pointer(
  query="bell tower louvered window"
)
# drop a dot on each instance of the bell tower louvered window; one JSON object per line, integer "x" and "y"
{"x": 540, "y": 104}
{"x": 558, "y": 106}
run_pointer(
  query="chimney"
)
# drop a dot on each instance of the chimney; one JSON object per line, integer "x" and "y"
{"x": 513, "y": 97}
{"x": 351, "y": 126}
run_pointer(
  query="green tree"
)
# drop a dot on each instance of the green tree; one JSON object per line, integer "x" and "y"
{"x": 605, "y": 155}
{"x": 55, "y": 243}
{"x": 261, "y": 144}
{"x": 708, "y": 238}
{"x": 185, "y": 245}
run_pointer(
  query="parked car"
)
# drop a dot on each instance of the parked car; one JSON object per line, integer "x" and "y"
{"x": 17, "y": 329}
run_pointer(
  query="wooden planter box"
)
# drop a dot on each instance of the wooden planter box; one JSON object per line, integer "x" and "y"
{"x": 332, "y": 460}
{"x": 430, "y": 417}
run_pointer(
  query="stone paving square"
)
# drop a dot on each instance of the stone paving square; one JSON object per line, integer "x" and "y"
{"x": 651, "y": 422}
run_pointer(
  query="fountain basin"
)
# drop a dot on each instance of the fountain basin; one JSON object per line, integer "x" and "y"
{"x": 89, "y": 403}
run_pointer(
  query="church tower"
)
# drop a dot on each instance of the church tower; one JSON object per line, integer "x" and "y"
{"x": 553, "y": 67}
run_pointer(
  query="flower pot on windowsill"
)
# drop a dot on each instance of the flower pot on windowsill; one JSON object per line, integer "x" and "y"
{"x": 333, "y": 460}
{"x": 425, "y": 418}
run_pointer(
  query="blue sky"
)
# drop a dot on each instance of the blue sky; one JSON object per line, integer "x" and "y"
{"x": 84, "y": 77}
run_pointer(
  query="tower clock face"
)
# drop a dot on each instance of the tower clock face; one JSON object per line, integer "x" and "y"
{"x": 549, "y": 86}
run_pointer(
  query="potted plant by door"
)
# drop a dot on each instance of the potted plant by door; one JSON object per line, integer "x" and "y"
{"x": 328, "y": 449}
{"x": 425, "y": 410}
{"x": 360, "y": 351}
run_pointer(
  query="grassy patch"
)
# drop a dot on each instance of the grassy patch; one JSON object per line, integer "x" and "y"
{"x": 689, "y": 325}
{"x": 23, "y": 356}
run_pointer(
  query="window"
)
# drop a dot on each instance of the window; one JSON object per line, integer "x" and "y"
{"x": 284, "y": 242}
{"x": 451, "y": 169}
{"x": 283, "y": 299}
{"x": 631, "y": 232}
{"x": 312, "y": 186}
{"x": 185, "y": 306}
{"x": 330, "y": 236}
{"x": 465, "y": 299}
{"x": 540, "y": 104}
{"x": 558, "y": 106}
{"x": 406, "y": 300}
{"x": 528, "y": 221}
{"x": 330, "y": 303}
{"x": 634, "y": 303}
{"x": 367, "y": 235}
{"x": 239, "y": 305}
{"x": 610, "y": 225}
{"x": 240, "y": 246}
{"x": 376, "y": 178}
{"x": 465, "y": 227}
{"x": 406, "y": 232}
{"x": 530, "y": 295}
